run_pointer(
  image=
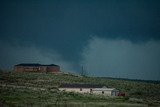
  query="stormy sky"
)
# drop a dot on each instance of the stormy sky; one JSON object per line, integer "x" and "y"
{"x": 109, "y": 38}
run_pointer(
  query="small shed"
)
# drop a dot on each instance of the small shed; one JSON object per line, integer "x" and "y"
{"x": 106, "y": 91}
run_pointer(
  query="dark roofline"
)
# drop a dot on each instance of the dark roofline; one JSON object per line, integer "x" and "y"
{"x": 34, "y": 64}
{"x": 66, "y": 85}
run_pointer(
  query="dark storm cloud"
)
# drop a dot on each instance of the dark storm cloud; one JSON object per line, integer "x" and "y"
{"x": 122, "y": 58}
{"x": 65, "y": 26}
{"x": 70, "y": 22}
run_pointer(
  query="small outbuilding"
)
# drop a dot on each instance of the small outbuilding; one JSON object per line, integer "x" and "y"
{"x": 89, "y": 88}
{"x": 106, "y": 91}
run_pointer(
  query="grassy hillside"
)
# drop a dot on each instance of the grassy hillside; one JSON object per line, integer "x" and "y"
{"x": 41, "y": 88}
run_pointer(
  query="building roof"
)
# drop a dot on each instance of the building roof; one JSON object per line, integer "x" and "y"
{"x": 80, "y": 86}
{"x": 34, "y": 64}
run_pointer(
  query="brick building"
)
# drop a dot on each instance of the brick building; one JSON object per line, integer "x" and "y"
{"x": 36, "y": 68}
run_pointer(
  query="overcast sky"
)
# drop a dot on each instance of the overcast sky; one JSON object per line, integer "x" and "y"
{"x": 109, "y": 38}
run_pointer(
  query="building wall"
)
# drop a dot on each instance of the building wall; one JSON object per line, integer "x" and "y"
{"x": 29, "y": 69}
{"x": 115, "y": 93}
{"x": 42, "y": 68}
{"x": 107, "y": 92}
{"x": 100, "y": 91}
{"x": 18, "y": 69}
{"x": 54, "y": 69}
{"x": 79, "y": 90}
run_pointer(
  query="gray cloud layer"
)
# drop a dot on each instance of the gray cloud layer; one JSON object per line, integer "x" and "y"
{"x": 122, "y": 58}
{"x": 101, "y": 57}
{"x": 14, "y": 54}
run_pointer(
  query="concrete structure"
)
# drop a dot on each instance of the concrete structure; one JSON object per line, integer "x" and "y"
{"x": 36, "y": 68}
{"x": 89, "y": 88}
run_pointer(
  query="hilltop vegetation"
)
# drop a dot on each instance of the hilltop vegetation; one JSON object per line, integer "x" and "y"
{"x": 42, "y": 88}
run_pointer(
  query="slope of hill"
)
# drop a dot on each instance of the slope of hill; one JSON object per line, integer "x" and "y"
{"x": 42, "y": 88}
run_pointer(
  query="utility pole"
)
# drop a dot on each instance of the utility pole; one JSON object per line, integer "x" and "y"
{"x": 83, "y": 71}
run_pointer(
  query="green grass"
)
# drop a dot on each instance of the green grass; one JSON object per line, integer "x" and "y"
{"x": 137, "y": 92}
{"x": 24, "y": 97}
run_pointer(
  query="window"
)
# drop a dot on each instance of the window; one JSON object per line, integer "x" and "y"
{"x": 91, "y": 91}
{"x": 102, "y": 92}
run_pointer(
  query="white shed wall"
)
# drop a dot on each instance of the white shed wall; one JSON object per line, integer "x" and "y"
{"x": 84, "y": 90}
{"x": 97, "y": 91}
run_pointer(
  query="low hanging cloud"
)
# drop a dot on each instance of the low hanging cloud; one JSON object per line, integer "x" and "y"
{"x": 122, "y": 59}
{"x": 15, "y": 54}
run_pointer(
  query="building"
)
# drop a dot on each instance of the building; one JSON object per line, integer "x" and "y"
{"x": 89, "y": 88}
{"x": 106, "y": 91}
{"x": 24, "y": 67}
